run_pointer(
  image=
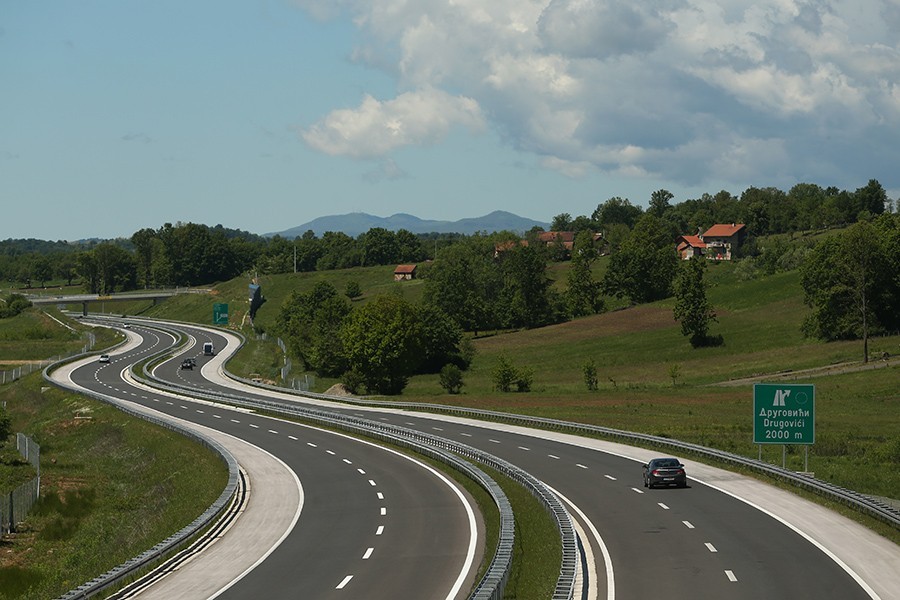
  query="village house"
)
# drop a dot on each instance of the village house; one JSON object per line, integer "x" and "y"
{"x": 722, "y": 240}
{"x": 405, "y": 272}
{"x": 689, "y": 246}
{"x": 717, "y": 243}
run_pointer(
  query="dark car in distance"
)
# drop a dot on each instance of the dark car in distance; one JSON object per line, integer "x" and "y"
{"x": 664, "y": 471}
{"x": 188, "y": 363}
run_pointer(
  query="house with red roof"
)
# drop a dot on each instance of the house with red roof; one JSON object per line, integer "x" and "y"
{"x": 405, "y": 272}
{"x": 722, "y": 240}
{"x": 689, "y": 246}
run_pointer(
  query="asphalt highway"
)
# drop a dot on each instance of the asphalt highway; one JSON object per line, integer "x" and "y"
{"x": 725, "y": 536}
{"x": 372, "y": 523}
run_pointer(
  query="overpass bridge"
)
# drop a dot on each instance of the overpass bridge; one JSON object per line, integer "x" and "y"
{"x": 84, "y": 299}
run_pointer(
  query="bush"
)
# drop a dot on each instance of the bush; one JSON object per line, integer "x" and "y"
{"x": 353, "y": 290}
{"x": 590, "y": 375}
{"x": 524, "y": 378}
{"x": 506, "y": 376}
{"x": 451, "y": 378}
{"x": 352, "y": 380}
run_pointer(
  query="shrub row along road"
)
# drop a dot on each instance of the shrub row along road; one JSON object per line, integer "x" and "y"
{"x": 725, "y": 536}
{"x": 365, "y": 521}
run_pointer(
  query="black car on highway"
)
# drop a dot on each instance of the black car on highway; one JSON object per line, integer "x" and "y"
{"x": 664, "y": 471}
{"x": 188, "y": 363}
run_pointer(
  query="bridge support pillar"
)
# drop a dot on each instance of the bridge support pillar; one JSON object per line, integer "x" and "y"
{"x": 84, "y": 308}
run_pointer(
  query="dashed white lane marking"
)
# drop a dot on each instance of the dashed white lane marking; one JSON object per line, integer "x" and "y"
{"x": 494, "y": 441}
{"x": 169, "y": 403}
{"x": 348, "y": 461}
{"x": 580, "y": 466}
{"x": 383, "y": 419}
{"x": 292, "y": 437}
{"x": 710, "y": 547}
{"x": 360, "y": 471}
{"x": 663, "y": 506}
{"x": 638, "y": 490}
{"x": 553, "y": 456}
{"x": 273, "y": 431}
{"x": 730, "y": 575}
{"x": 438, "y": 428}
{"x": 368, "y": 553}
{"x": 217, "y": 416}
{"x": 380, "y": 496}
{"x": 331, "y": 452}
{"x": 311, "y": 445}
{"x": 466, "y": 434}
{"x": 688, "y": 524}
{"x": 199, "y": 411}
{"x": 410, "y": 423}
{"x": 383, "y": 511}
{"x": 372, "y": 482}
{"x": 380, "y": 530}
{"x": 235, "y": 421}
{"x": 254, "y": 426}
{"x": 610, "y": 477}
{"x": 343, "y": 583}
{"x": 524, "y": 448}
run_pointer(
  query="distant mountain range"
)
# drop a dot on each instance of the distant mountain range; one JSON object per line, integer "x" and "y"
{"x": 354, "y": 224}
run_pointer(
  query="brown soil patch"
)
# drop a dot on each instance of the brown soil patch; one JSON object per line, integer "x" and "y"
{"x": 626, "y": 321}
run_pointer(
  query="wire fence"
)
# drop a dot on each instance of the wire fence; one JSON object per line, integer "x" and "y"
{"x": 11, "y": 375}
{"x": 15, "y": 505}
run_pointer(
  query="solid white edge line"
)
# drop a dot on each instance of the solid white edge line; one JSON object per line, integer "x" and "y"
{"x": 607, "y": 559}
{"x": 300, "y": 502}
{"x": 865, "y": 586}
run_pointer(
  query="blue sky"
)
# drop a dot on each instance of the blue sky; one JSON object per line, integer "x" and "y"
{"x": 262, "y": 115}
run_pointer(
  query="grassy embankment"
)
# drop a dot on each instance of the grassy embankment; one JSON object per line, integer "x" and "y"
{"x": 111, "y": 485}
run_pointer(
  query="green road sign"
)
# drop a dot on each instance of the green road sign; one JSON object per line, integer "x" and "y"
{"x": 220, "y": 314}
{"x": 784, "y": 414}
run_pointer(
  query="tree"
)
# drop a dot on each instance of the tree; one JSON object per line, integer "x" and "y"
{"x": 850, "y": 283}
{"x": 5, "y": 426}
{"x": 872, "y": 198}
{"x": 311, "y": 323}
{"x": 692, "y": 307}
{"x": 616, "y": 210}
{"x": 659, "y": 202}
{"x": 451, "y": 378}
{"x": 440, "y": 338}
{"x": 382, "y": 342}
{"x": 589, "y": 369}
{"x": 527, "y": 299}
{"x": 643, "y": 268}
{"x": 582, "y": 292}
{"x": 379, "y": 247}
{"x": 144, "y": 246}
{"x": 464, "y": 283}
{"x": 561, "y": 222}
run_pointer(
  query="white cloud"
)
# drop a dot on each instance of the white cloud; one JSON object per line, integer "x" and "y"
{"x": 686, "y": 89}
{"x": 376, "y": 128}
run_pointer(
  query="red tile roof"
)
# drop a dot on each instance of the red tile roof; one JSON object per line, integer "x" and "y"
{"x": 404, "y": 269}
{"x": 693, "y": 240}
{"x": 723, "y": 230}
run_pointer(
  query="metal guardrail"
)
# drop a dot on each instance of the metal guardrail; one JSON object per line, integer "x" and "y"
{"x": 855, "y": 500}
{"x": 122, "y": 572}
{"x": 493, "y": 583}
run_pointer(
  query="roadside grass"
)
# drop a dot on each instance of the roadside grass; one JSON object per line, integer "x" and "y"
{"x": 112, "y": 486}
{"x": 537, "y": 553}
{"x": 33, "y": 335}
